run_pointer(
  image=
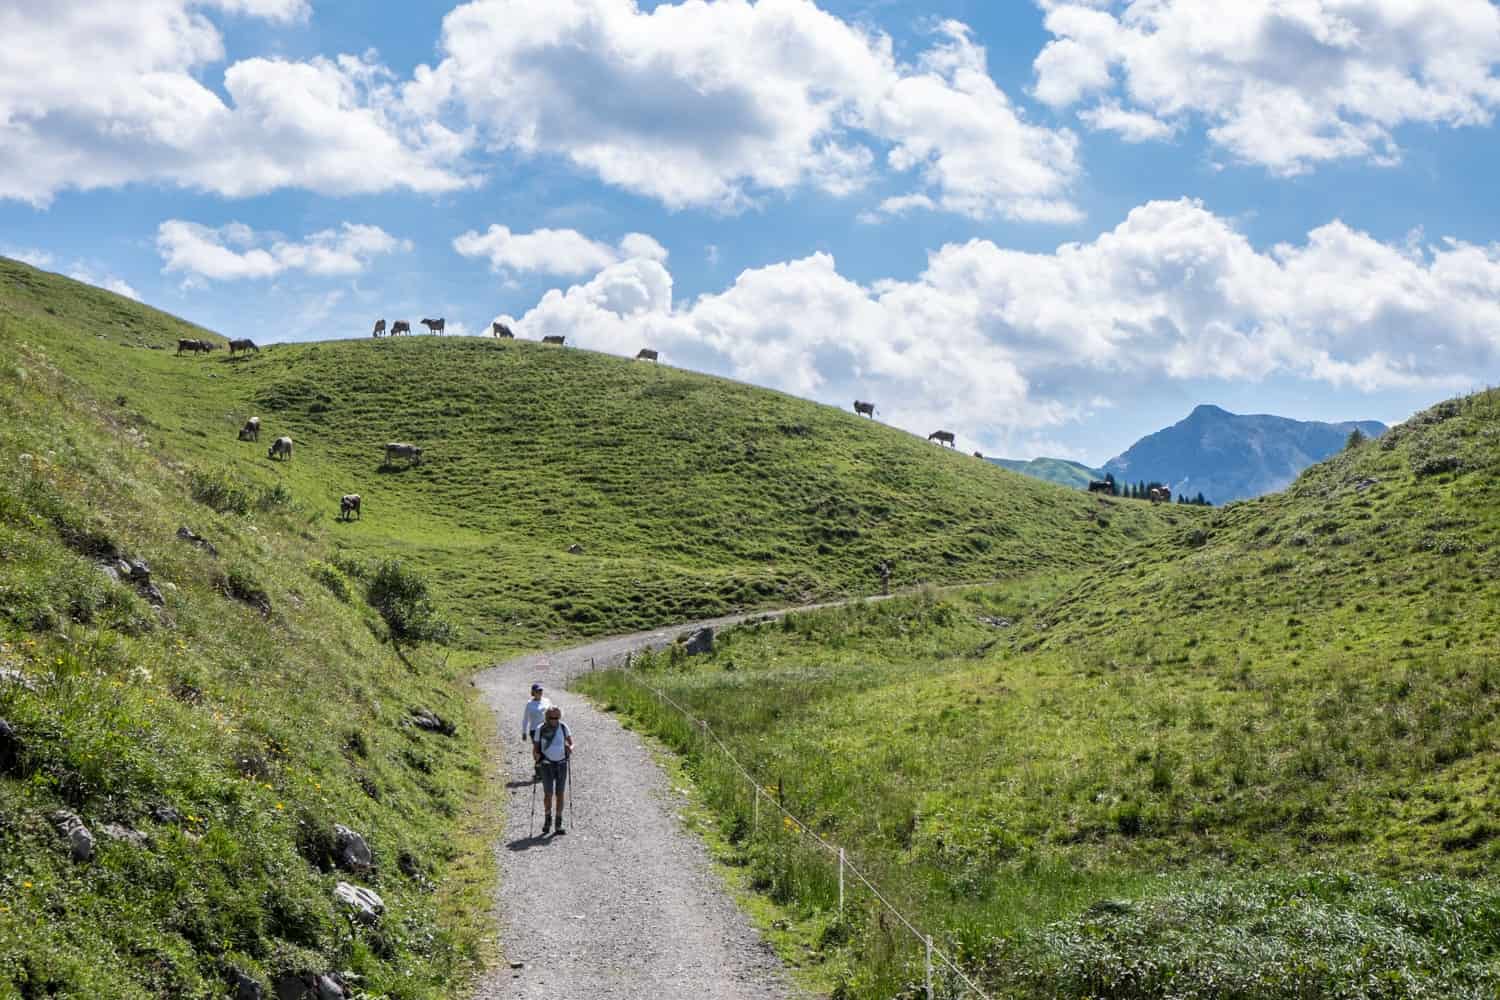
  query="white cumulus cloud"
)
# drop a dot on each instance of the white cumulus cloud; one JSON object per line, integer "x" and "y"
{"x": 235, "y": 251}
{"x": 715, "y": 104}
{"x": 1283, "y": 84}
{"x": 565, "y": 252}
{"x": 102, "y": 93}
{"x": 1000, "y": 344}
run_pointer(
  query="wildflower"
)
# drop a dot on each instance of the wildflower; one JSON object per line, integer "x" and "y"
{"x": 280, "y": 806}
{"x": 25, "y": 885}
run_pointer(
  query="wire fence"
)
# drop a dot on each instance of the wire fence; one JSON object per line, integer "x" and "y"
{"x": 933, "y": 953}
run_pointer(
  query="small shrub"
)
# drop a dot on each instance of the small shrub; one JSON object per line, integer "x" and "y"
{"x": 242, "y": 585}
{"x": 1434, "y": 465}
{"x": 220, "y": 491}
{"x": 399, "y": 594}
{"x": 272, "y": 497}
{"x": 332, "y": 578}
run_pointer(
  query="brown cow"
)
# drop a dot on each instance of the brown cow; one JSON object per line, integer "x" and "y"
{"x": 243, "y": 344}
{"x": 379, "y": 328}
{"x": 349, "y": 507}
{"x": 554, "y": 339}
{"x": 501, "y": 331}
{"x": 864, "y": 409}
{"x": 1101, "y": 486}
{"x": 434, "y": 325}
{"x": 195, "y": 346}
{"x": 251, "y": 430}
{"x": 942, "y": 437}
{"x": 646, "y": 354}
{"x": 1160, "y": 494}
{"x": 399, "y": 327}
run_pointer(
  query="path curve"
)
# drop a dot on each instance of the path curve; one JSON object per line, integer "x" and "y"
{"x": 626, "y": 904}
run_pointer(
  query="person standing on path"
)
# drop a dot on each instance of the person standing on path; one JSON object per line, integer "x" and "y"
{"x": 532, "y": 717}
{"x": 551, "y": 749}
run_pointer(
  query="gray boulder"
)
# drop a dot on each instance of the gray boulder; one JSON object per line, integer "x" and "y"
{"x": 700, "y": 641}
{"x": 329, "y": 987}
{"x": 17, "y": 678}
{"x": 431, "y": 721}
{"x": 350, "y": 852}
{"x": 80, "y": 840}
{"x": 365, "y": 905}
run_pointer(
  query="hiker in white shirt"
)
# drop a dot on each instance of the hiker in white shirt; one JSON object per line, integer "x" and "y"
{"x": 532, "y": 717}
{"x": 551, "y": 749}
{"x": 534, "y": 714}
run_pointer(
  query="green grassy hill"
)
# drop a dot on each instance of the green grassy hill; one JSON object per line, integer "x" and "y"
{"x": 1053, "y": 470}
{"x": 209, "y": 732}
{"x": 212, "y": 732}
{"x": 685, "y": 495}
{"x": 1256, "y": 758}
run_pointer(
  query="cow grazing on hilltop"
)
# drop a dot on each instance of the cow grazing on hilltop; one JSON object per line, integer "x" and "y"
{"x": 646, "y": 354}
{"x": 243, "y": 344}
{"x": 349, "y": 507}
{"x": 501, "y": 331}
{"x": 280, "y": 448}
{"x": 434, "y": 325}
{"x": 251, "y": 430}
{"x": 1160, "y": 494}
{"x": 942, "y": 437}
{"x": 410, "y": 452}
{"x": 399, "y": 327}
{"x": 864, "y": 409}
{"x": 379, "y": 328}
{"x": 1101, "y": 486}
{"x": 554, "y": 339}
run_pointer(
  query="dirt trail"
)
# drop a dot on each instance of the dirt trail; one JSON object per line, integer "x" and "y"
{"x": 626, "y": 903}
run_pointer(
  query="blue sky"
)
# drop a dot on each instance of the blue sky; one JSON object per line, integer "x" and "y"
{"x": 1050, "y": 227}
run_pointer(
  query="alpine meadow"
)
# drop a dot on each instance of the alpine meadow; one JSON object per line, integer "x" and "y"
{"x": 203, "y": 672}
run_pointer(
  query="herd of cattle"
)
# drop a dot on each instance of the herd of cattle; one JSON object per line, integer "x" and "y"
{"x": 207, "y": 346}
{"x": 349, "y": 503}
{"x": 498, "y": 330}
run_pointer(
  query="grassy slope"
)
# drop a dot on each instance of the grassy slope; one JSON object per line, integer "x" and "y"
{"x": 261, "y": 731}
{"x": 690, "y": 495}
{"x": 1305, "y": 681}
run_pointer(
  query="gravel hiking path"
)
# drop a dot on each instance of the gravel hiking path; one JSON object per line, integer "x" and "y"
{"x": 626, "y": 903}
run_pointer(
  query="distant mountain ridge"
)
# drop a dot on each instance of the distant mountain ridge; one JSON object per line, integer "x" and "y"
{"x": 1229, "y": 456}
{"x": 1225, "y": 456}
{"x": 1062, "y": 471}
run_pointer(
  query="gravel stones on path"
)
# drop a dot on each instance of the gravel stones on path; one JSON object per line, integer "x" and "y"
{"x": 627, "y": 903}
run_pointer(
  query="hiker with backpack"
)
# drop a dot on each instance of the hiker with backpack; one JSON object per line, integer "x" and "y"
{"x": 551, "y": 748}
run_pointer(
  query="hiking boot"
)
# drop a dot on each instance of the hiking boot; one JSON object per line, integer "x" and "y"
{"x": 546, "y": 825}
{"x": 560, "y": 830}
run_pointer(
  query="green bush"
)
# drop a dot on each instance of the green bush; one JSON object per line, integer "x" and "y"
{"x": 400, "y": 595}
{"x": 331, "y": 577}
{"x": 220, "y": 491}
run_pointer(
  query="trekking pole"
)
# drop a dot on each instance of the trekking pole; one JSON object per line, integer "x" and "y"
{"x": 531, "y": 820}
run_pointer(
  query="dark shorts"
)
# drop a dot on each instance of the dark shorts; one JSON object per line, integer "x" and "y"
{"x": 554, "y": 776}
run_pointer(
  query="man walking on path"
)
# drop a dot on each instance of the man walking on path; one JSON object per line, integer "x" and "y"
{"x": 532, "y": 717}
{"x": 551, "y": 749}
